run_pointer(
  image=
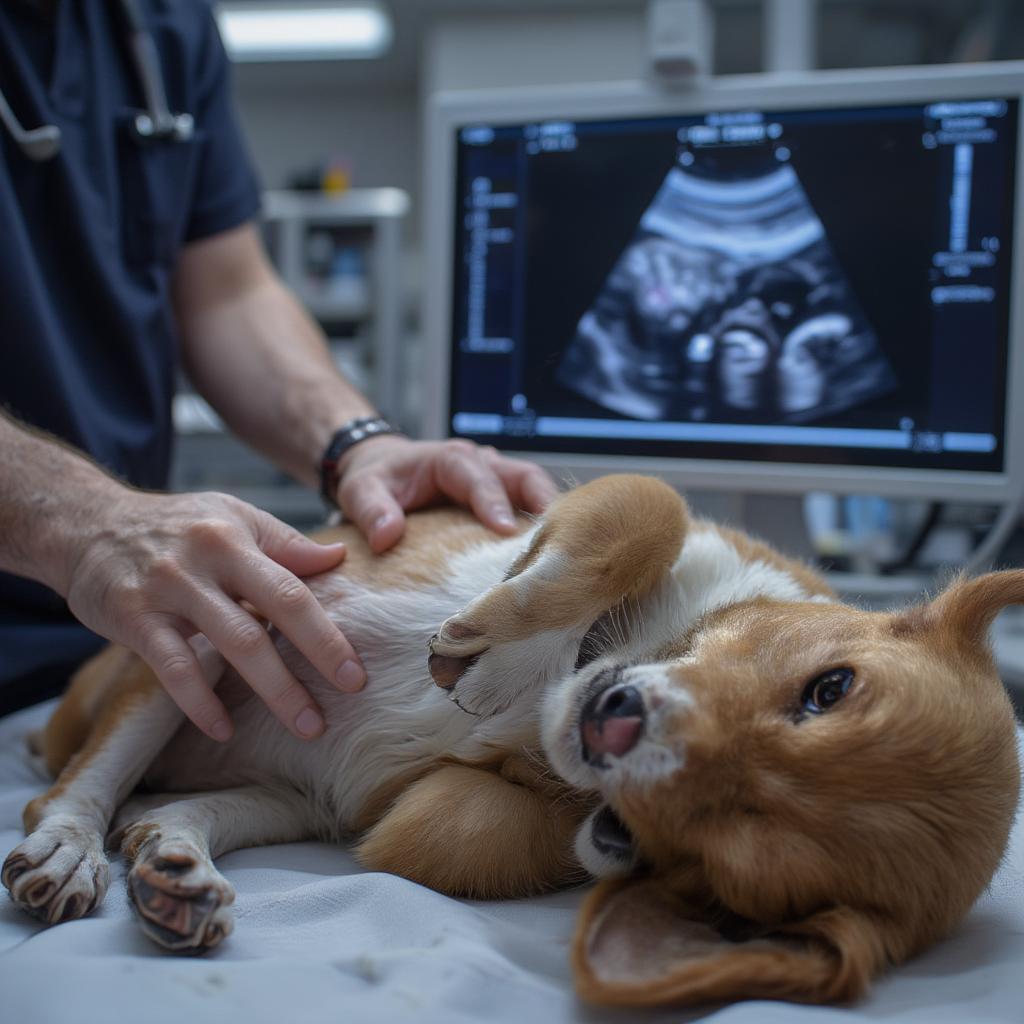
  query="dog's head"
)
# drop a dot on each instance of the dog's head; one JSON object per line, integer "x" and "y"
{"x": 794, "y": 795}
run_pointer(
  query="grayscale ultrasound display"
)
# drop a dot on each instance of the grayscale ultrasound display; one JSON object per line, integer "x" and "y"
{"x": 821, "y": 285}
{"x": 728, "y": 302}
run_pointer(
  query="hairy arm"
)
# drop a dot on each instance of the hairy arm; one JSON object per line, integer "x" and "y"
{"x": 255, "y": 355}
{"x": 151, "y": 570}
{"x": 260, "y": 361}
{"x": 38, "y": 519}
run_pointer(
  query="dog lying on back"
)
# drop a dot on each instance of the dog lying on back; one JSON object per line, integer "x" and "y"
{"x": 781, "y": 794}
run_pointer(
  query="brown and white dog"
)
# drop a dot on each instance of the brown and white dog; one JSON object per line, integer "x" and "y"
{"x": 782, "y": 793}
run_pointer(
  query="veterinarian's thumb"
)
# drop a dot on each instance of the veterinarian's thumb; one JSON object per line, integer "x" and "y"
{"x": 296, "y": 553}
{"x": 373, "y": 508}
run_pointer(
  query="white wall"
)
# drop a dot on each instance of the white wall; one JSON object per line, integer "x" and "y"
{"x": 507, "y": 50}
{"x": 295, "y": 119}
{"x": 297, "y": 116}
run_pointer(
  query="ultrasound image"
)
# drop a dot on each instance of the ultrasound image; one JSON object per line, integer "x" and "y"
{"x": 727, "y": 305}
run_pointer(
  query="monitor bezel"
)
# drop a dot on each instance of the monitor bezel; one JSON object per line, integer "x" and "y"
{"x": 447, "y": 111}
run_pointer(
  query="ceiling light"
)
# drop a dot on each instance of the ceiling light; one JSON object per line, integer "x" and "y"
{"x": 261, "y": 32}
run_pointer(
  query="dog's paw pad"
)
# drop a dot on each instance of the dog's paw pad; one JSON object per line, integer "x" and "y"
{"x": 181, "y": 900}
{"x": 447, "y": 671}
{"x": 454, "y": 650}
{"x": 57, "y": 874}
{"x": 14, "y": 867}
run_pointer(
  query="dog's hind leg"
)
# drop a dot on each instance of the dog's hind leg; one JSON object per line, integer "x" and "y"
{"x": 468, "y": 831}
{"x": 182, "y": 900}
{"x": 59, "y": 871}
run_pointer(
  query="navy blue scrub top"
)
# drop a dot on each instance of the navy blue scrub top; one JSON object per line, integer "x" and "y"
{"x": 88, "y": 242}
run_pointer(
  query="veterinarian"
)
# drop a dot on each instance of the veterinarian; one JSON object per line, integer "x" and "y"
{"x": 128, "y": 248}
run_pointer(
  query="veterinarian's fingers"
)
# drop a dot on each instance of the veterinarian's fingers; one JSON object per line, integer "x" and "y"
{"x": 367, "y": 501}
{"x": 247, "y": 645}
{"x": 175, "y": 664}
{"x": 296, "y": 553}
{"x": 539, "y": 493}
{"x": 528, "y": 485}
{"x": 539, "y": 490}
{"x": 465, "y": 474}
{"x": 289, "y": 604}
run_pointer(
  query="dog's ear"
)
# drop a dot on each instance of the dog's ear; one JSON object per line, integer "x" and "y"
{"x": 637, "y": 944}
{"x": 964, "y": 611}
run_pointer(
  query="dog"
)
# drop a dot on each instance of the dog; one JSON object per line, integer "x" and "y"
{"x": 779, "y": 794}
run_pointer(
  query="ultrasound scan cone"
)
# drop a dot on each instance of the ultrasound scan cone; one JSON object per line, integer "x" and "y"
{"x": 744, "y": 264}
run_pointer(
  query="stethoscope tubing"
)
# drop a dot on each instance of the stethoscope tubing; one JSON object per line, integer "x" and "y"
{"x": 154, "y": 124}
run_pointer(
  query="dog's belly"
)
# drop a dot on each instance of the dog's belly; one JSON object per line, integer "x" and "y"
{"x": 397, "y": 727}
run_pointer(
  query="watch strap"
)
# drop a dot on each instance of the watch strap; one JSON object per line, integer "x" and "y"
{"x": 346, "y": 437}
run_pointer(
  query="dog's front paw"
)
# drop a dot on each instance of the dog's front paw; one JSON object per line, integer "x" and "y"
{"x": 515, "y": 637}
{"x": 58, "y": 873}
{"x": 485, "y": 675}
{"x": 454, "y": 649}
{"x": 471, "y": 664}
{"x": 181, "y": 898}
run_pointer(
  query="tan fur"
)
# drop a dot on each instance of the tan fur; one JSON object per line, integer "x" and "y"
{"x": 136, "y": 837}
{"x": 99, "y": 695}
{"x": 432, "y": 537}
{"x": 68, "y": 727}
{"x": 831, "y": 961}
{"x": 614, "y": 548}
{"x": 470, "y": 832}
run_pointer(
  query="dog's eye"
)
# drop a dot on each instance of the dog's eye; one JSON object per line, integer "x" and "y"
{"x": 826, "y": 690}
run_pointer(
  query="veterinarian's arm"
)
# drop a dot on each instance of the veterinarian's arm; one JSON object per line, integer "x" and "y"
{"x": 149, "y": 570}
{"x": 263, "y": 364}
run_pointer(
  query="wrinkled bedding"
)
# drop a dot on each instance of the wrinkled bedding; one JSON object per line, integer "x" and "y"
{"x": 317, "y": 938}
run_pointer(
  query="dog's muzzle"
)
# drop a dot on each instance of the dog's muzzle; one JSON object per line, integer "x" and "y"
{"x": 612, "y": 722}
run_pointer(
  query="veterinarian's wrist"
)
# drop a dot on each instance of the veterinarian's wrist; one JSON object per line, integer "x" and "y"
{"x": 336, "y": 455}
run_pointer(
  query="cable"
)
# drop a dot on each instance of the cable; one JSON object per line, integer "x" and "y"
{"x": 917, "y": 542}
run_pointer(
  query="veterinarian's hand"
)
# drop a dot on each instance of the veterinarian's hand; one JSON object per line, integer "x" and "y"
{"x": 151, "y": 570}
{"x": 383, "y": 478}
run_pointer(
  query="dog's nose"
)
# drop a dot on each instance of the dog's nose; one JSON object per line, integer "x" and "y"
{"x": 612, "y": 723}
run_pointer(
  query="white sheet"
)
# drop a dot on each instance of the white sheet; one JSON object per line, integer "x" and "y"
{"x": 319, "y": 939}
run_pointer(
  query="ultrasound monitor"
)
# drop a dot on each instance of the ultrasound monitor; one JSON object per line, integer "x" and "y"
{"x": 784, "y": 285}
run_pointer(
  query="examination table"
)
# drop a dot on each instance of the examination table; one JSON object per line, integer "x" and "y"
{"x": 318, "y": 939}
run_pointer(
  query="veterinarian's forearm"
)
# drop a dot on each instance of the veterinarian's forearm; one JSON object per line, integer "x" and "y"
{"x": 49, "y": 490}
{"x": 257, "y": 357}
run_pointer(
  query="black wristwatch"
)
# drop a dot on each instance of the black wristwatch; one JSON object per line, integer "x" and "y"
{"x": 347, "y": 437}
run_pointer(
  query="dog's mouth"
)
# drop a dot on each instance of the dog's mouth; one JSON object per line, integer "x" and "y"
{"x": 612, "y": 720}
{"x": 610, "y": 836}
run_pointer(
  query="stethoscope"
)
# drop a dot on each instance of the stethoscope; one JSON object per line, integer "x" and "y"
{"x": 154, "y": 124}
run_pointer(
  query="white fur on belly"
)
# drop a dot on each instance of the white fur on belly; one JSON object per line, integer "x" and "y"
{"x": 400, "y": 722}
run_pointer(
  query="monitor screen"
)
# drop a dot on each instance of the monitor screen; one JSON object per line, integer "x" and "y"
{"x": 823, "y": 286}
